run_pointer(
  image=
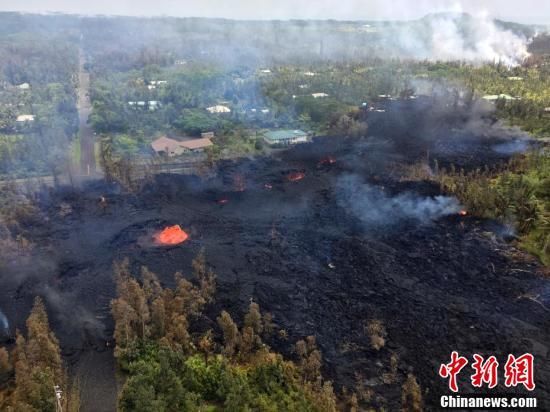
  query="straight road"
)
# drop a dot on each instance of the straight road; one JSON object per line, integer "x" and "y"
{"x": 85, "y": 132}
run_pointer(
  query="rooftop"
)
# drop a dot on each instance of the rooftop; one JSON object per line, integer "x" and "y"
{"x": 165, "y": 143}
{"x": 218, "y": 109}
{"x": 196, "y": 143}
{"x": 25, "y": 118}
{"x": 498, "y": 96}
{"x": 284, "y": 134}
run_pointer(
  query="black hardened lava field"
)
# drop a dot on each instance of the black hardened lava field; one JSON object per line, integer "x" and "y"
{"x": 326, "y": 236}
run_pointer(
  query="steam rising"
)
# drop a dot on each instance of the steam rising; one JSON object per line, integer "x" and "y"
{"x": 456, "y": 36}
{"x": 4, "y": 324}
{"x": 375, "y": 208}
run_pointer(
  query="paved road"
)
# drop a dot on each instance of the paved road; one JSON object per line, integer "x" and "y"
{"x": 85, "y": 132}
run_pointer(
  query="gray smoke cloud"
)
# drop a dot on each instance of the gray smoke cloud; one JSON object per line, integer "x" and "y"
{"x": 375, "y": 208}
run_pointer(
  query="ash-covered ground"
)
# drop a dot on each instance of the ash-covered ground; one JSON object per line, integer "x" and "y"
{"x": 326, "y": 254}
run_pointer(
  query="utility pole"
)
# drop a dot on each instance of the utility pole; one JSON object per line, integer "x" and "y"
{"x": 58, "y": 393}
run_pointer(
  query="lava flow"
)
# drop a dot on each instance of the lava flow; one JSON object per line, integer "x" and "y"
{"x": 329, "y": 160}
{"x": 239, "y": 183}
{"x": 172, "y": 235}
{"x": 296, "y": 176}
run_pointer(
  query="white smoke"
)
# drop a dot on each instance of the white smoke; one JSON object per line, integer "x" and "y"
{"x": 4, "y": 324}
{"x": 462, "y": 37}
{"x": 375, "y": 208}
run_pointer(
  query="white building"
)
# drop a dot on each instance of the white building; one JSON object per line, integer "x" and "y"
{"x": 493, "y": 97}
{"x": 319, "y": 95}
{"x": 218, "y": 109}
{"x": 23, "y": 118}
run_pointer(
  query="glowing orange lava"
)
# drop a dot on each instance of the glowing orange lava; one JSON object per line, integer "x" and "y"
{"x": 329, "y": 160}
{"x": 463, "y": 213}
{"x": 296, "y": 176}
{"x": 172, "y": 235}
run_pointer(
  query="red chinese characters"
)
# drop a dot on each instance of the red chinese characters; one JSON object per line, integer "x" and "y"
{"x": 519, "y": 371}
{"x": 485, "y": 371}
{"x": 452, "y": 369}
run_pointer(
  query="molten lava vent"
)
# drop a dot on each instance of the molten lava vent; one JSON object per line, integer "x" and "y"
{"x": 296, "y": 176}
{"x": 329, "y": 160}
{"x": 172, "y": 235}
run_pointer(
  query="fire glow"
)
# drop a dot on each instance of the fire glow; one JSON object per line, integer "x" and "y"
{"x": 329, "y": 160}
{"x": 296, "y": 176}
{"x": 170, "y": 236}
{"x": 463, "y": 213}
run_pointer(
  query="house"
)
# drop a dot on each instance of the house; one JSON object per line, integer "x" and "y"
{"x": 265, "y": 71}
{"x": 218, "y": 109}
{"x": 154, "y": 83}
{"x": 286, "y": 137}
{"x": 515, "y": 78}
{"x": 139, "y": 103}
{"x": 196, "y": 145}
{"x": 493, "y": 97}
{"x": 153, "y": 104}
{"x": 207, "y": 135}
{"x": 310, "y": 74}
{"x": 23, "y": 118}
{"x": 171, "y": 147}
{"x": 24, "y": 86}
{"x": 319, "y": 95}
{"x": 263, "y": 111}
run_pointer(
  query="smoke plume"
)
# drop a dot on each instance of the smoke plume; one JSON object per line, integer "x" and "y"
{"x": 4, "y": 324}
{"x": 457, "y": 36}
{"x": 375, "y": 208}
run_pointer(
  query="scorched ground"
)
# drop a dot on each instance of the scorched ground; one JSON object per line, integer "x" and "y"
{"x": 327, "y": 246}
